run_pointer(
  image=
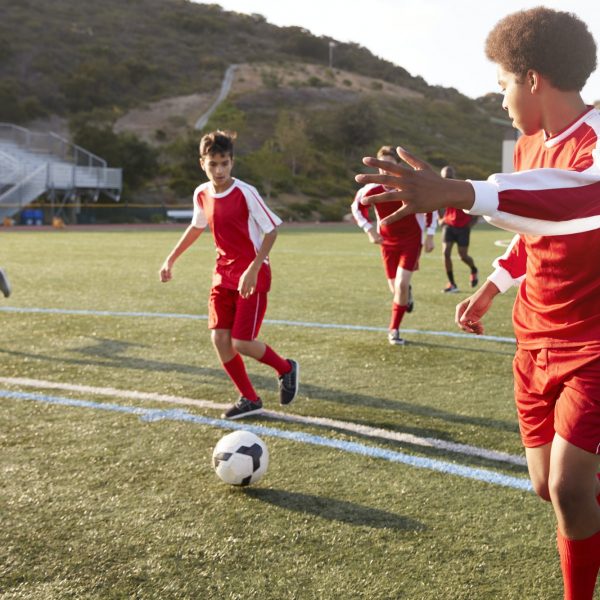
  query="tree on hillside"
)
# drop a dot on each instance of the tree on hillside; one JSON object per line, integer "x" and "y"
{"x": 265, "y": 168}
{"x": 291, "y": 137}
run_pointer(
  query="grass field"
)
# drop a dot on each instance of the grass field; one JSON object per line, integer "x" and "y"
{"x": 110, "y": 495}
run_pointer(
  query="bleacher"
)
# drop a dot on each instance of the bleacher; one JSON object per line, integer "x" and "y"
{"x": 35, "y": 164}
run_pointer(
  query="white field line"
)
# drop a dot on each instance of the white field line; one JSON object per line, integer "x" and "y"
{"x": 306, "y": 324}
{"x": 353, "y": 428}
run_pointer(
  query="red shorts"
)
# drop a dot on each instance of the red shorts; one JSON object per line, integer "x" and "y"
{"x": 557, "y": 390}
{"x": 395, "y": 256}
{"x": 243, "y": 316}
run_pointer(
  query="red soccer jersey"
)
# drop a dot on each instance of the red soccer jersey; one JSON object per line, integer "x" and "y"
{"x": 238, "y": 218}
{"x": 399, "y": 232}
{"x": 456, "y": 217}
{"x": 553, "y": 202}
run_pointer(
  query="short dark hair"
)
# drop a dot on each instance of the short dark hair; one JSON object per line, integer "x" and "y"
{"x": 388, "y": 151}
{"x": 217, "y": 142}
{"x": 556, "y": 44}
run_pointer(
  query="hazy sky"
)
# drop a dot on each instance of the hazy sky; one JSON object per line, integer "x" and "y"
{"x": 441, "y": 40}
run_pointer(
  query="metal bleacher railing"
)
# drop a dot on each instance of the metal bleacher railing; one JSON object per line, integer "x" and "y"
{"x": 33, "y": 163}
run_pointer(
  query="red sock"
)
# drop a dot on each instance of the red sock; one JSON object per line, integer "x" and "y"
{"x": 271, "y": 358}
{"x": 236, "y": 369}
{"x": 397, "y": 314}
{"x": 579, "y": 561}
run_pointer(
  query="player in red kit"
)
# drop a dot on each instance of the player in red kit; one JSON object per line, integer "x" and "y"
{"x": 456, "y": 229}
{"x": 244, "y": 231}
{"x": 552, "y": 203}
{"x": 400, "y": 246}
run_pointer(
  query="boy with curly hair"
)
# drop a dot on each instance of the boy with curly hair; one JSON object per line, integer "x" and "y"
{"x": 552, "y": 203}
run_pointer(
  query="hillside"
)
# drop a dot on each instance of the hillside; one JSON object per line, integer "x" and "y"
{"x": 66, "y": 56}
{"x": 128, "y": 80}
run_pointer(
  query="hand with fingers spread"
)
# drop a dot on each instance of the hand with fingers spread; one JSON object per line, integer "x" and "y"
{"x": 420, "y": 188}
{"x": 470, "y": 311}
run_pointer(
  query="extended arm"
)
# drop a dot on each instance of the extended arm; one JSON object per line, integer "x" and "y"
{"x": 190, "y": 235}
{"x": 537, "y": 202}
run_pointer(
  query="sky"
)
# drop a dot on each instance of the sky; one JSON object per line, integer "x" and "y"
{"x": 440, "y": 40}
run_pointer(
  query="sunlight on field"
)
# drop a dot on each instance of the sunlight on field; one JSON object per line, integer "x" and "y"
{"x": 111, "y": 397}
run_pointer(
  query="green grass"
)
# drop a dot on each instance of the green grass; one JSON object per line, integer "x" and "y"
{"x": 100, "y": 504}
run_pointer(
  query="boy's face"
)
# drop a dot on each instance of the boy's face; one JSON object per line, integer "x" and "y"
{"x": 218, "y": 170}
{"x": 520, "y": 101}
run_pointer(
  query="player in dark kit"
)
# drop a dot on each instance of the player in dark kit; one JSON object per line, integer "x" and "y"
{"x": 456, "y": 229}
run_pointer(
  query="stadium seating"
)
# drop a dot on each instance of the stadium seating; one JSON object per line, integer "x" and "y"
{"x": 33, "y": 164}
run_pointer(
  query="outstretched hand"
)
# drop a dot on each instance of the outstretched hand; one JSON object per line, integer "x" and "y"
{"x": 419, "y": 188}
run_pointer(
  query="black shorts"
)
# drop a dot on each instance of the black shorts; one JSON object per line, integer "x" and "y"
{"x": 459, "y": 235}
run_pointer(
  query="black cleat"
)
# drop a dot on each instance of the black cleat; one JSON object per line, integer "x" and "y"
{"x": 288, "y": 383}
{"x": 243, "y": 408}
{"x": 474, "y": 278}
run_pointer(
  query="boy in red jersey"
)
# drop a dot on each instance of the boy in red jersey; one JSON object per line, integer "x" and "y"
{"x": 400, "y": 246}
{"x": 244, "y": 230}
{"x": 456, "y": 229}
{"x": 552, "y": 202}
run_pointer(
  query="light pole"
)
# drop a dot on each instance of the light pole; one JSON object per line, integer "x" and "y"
{"x": 331, "y": 47}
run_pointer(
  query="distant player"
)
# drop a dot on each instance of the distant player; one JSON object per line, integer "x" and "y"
{"x": 4, "y": 284}
{"x": 244, "y": 230}
{"x": 456, "y": 229}
{"x": 544, "y": 58}
{"x": 400, "y": 246}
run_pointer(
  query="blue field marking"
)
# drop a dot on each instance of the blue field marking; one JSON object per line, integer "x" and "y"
{"x": 308, "y": 324}
{"x": 153, "y": 414}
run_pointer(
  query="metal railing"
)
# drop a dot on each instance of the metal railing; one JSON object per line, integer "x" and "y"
{"x": 25, "y": 191}
{"x": 50, "y": 143}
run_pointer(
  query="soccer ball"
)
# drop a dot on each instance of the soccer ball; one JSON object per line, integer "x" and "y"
{"x": 240, "y": 458}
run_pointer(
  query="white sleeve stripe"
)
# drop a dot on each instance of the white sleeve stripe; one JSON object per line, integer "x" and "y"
{"x": 509, "y": 249}
{"x": 361, "y": 221}
{"x": 263, "y": 206}
{"x": 501, "y": 278}
{"x": 486, "y": 198}
{"x": 529, "y": 226}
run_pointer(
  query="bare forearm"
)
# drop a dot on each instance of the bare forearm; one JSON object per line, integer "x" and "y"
{"x": 190, "y": 235}
{"x": 265, "y": 248}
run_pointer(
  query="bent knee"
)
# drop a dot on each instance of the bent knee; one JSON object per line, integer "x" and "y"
{"x": 566, "y": 495}
{"x": 240, "y": 345}
{"x": 542, "y": 490}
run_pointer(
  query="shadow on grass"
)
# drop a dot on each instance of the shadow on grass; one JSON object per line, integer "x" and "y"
{"x": 335, "y": 510}
{"x": 462, "y": 348}
{"x": 111, "y": 354}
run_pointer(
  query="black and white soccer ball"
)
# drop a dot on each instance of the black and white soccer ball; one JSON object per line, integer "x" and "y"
{"x": 240, "y": 458}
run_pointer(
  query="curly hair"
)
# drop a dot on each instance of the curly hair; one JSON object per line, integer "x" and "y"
{"x": 556, "y": 44}
{"x": 217, "y": 142}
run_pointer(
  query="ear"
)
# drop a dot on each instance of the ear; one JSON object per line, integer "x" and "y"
{"x": 201, "y": 163}
{"x": 534, "y": 81}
